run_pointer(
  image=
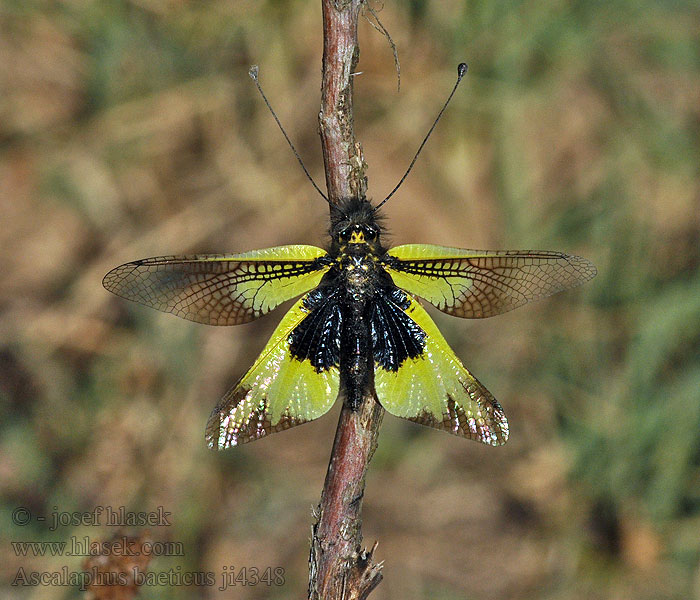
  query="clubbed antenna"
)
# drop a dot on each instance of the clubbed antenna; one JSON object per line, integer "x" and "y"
{"x": 253, "y": 72}
{"x": 461, "y": 70}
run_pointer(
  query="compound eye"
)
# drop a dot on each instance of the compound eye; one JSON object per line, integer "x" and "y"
{"x": 370, "y": 233}
{"x": 344, "y": 235}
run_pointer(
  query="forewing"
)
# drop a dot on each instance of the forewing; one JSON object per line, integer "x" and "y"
{"x": 482, "y": 283}
{"x": 219, "y": 289}
{"x": 433, "y": 388}
{"x": 278, "y": 392}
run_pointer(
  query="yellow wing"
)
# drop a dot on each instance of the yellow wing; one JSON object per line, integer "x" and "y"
{"x": 220, "y": 289}
{"x": 436, "y": 390}
{"x": 278, "y": 392}
{"x": 482, "y": 283}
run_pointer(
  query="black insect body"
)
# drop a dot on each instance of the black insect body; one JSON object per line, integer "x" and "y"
{"x": 356, "y": 315}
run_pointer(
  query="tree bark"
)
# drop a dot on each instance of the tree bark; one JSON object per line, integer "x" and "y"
{"x": 338, "y": 566}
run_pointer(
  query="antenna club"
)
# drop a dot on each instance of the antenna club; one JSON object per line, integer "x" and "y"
{"x": 461, "y": 70}
{"x": 253, "y": 72}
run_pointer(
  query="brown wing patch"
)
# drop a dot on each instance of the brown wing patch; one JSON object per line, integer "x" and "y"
{"x": 233, "y": 423}
{"x": 490, "y": 426}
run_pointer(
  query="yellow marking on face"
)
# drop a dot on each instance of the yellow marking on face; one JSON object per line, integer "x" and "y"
{"x": 357, "y": 237}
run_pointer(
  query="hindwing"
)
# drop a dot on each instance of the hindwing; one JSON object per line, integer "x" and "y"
{"x": 482, "y": 283}
{"x": 282, "y": 389}
{"x": 432, "y": 387}
{"x": 220, "y": 289}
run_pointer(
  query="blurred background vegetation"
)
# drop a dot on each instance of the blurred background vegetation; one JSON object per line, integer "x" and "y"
{"x": 131, "y": 129}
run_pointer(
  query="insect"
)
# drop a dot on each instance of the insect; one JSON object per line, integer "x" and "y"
{"x": 358, "y": 324}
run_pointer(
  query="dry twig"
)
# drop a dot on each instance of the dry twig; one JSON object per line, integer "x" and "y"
{"x": 338, "y": 567}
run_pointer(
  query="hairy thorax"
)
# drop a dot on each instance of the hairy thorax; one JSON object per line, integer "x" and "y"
{"x": 359, "y": 269}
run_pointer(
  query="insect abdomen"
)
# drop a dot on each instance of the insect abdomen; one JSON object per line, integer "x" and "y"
{"x": 356, "y": 355}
